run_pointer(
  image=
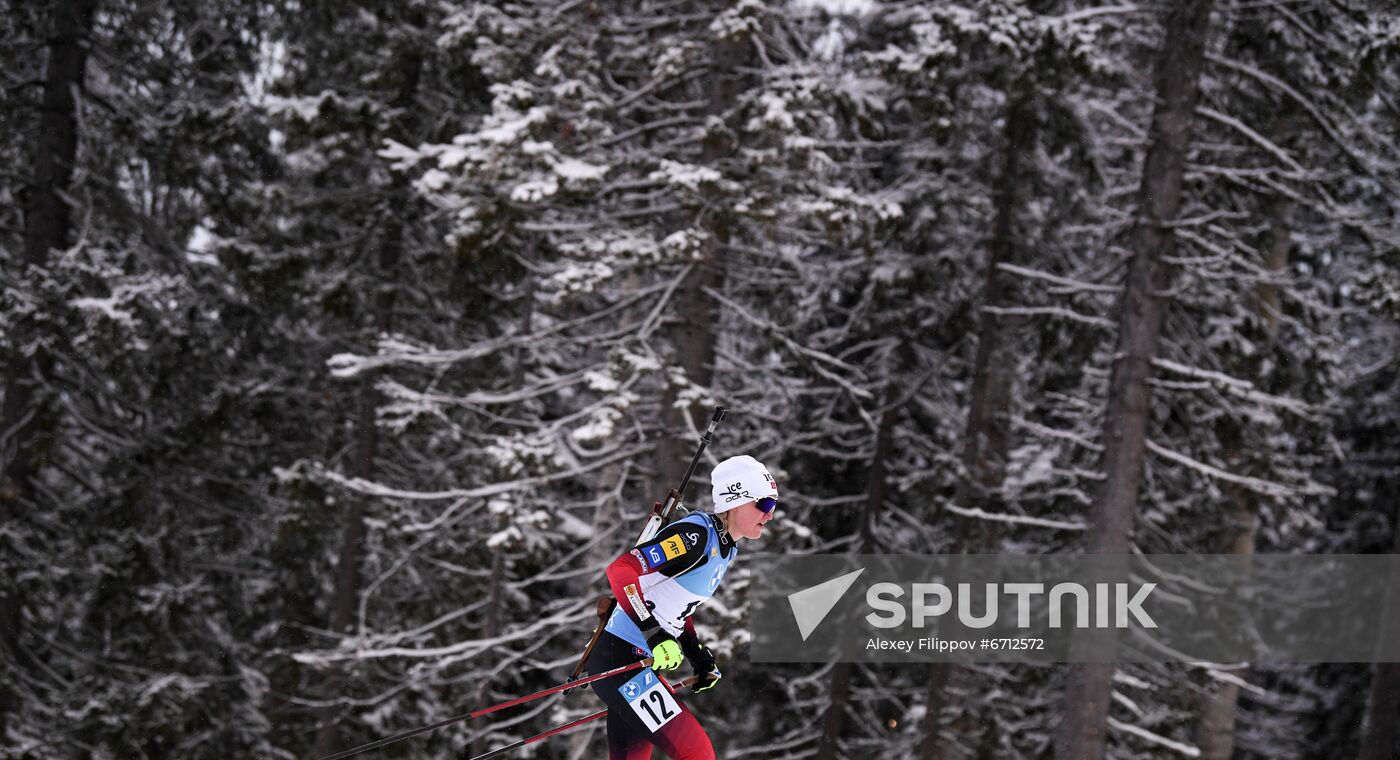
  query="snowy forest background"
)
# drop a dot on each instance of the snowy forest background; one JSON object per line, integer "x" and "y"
{"x": 345, "y": 342}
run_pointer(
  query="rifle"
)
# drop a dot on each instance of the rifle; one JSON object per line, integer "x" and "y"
{"x": 661, "y": 513}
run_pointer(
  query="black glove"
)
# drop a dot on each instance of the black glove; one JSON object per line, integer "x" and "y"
{"x": 702, "y": 660}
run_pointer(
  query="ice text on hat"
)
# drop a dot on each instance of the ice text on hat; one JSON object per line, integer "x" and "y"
{"x": 737, "y": 491}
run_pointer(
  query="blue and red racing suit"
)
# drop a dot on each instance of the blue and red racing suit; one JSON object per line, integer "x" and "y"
{"x": 658, "y": 586}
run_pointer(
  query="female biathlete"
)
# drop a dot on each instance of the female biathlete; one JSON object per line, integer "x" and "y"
{"x": 658, "y": 586}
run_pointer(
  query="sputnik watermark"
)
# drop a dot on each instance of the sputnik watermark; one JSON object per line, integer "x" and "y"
{"x": 1076, "y": 608}
{"x": 884, "y": 597}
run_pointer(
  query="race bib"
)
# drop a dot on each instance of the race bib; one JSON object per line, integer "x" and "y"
{"x": 650, "y": 700}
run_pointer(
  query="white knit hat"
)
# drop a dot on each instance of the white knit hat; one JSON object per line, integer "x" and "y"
{"x": 740, "y": 480}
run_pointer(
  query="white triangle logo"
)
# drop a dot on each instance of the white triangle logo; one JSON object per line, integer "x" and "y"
{"x": 811, "y": 605}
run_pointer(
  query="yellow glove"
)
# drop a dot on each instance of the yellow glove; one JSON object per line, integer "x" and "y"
{"x": 666, "y": 654}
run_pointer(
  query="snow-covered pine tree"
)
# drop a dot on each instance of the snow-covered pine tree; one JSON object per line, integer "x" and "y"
{"x": 1083, "y": 727}
{"x": 136, "y": 524}
{"x": 672, "y": 185}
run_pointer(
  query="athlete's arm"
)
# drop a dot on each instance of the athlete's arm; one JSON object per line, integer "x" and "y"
{"x": 697, "y": 653}
{"x": 700, "y": 657}
{"x": 679, "y": 547}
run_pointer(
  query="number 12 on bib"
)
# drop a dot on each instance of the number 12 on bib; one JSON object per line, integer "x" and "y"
{"x": 650, "y": 699}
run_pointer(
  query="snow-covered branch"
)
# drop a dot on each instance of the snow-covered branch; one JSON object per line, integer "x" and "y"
{"x": 1050, "y": 311}
{"x": 1002, "y": 517}
{"x": 378, "y": 490}
{"x": 1182, "y": 749}
{"x": 1064, "y": 282}
{"x": 1257, "y": 485}
{"x": 1241, "y": 389}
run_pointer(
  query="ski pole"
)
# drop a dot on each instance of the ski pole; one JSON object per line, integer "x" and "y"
{"x": 659, "y": 514}
{"x": 559, "y": 729}
{"x": 376, "y": 744}
{"x": 537, "y": 737}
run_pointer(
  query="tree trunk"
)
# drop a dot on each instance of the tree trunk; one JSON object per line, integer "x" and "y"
{"x": 26, "y": 423}
{"x": 1381, "y": 724}
{"x": 834, "y": 720}
{"x": 1266, "y": 303}
{"x": 1378, "y": 730}
{"x": 352, "y": 537}
{"x": 1080, "y": 733}
{"x": 932, "y": 745}
{"x": 347, "y": 572}
{"x": 491, "y": 626}
{"x": 693, "y": 334}
{"x": 1216, "y": 733}
{"x": 986, "y": 439}
{"x": 46, "y": 214}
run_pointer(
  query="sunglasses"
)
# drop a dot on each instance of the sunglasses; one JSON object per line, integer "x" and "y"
{"x": 767, "y": 504}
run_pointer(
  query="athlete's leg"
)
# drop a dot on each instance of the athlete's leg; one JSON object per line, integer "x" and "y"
{"x": 684, "y": 739}
{"x": 624, "y": 743}
{"x": 628, "y": 737}
{"x": 681, "y": 738}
